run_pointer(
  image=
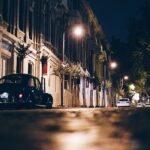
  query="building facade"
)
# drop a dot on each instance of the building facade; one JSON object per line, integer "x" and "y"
{"x": 38, "y": 26}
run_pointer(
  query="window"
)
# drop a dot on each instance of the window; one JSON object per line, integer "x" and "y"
{"x": 18, "y": 66}
{"x": 30, "y": 68}
{"x": 30, "y": 24}
{"x": 66, "y": 82}
{"x": 21, "y": 14}
{"x": 37, "y": 83}
{"x": 31, "y": 82}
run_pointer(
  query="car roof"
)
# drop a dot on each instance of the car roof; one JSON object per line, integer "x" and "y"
{"x": 18, "y": 75}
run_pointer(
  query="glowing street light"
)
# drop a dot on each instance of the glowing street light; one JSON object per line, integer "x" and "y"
{"x": 78, "y": 31}
{"x": 126, "y": 77}
{"x": 113, "y": 65}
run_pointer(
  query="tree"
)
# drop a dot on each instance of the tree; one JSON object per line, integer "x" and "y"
{"x": 139, "y": 45}
{"x": 22, "y": 51}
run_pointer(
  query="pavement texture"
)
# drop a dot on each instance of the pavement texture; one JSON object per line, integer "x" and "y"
{"x": 75, "y": 129}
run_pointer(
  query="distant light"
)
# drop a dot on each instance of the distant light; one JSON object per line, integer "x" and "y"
{"x": 113, "y": 65}
{"x": 125, "y": 77}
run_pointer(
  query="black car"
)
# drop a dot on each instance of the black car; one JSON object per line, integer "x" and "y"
{"x": 24, "y": 90}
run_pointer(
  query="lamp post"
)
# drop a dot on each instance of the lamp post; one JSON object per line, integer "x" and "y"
{"x": 112, "y": 66}
{"x": 104, "y": 88}
{"x": 62, "y": 82}
{"x": 77, "y": 31}
{"x": 125, "y": 78}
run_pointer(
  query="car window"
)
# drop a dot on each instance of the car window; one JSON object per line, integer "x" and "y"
{"x": 37, "y": 83}
{"x": 124, "y": 99}
{"x": 16, "y": 80}
{"x": 1, "y": 81}
{"x": 31, "y": 82}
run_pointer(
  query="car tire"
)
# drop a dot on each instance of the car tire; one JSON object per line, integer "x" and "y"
{"x": 49, "y": 100}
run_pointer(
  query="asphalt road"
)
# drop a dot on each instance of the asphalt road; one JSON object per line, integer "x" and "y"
{"x": 75, "y": 129}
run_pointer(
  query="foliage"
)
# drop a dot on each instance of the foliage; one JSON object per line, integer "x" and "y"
{"x": 108, "y": 84}
{"x": 102, "y": 56}
{"x": 22, "y": 50}
{"x": 72, "y": 69}
{"x": 44, "y": 59}
{"x": 139, "y": 45}
{"x": 135, "y": 53}
{"x": 140, "y": 83}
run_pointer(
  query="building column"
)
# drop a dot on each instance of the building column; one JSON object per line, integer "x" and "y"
{"x": 1, "y": 34}
{"x": 81, "y": 91}
{"x": 14, "y": 62}
{"x": 91, "y": 94}
{"x": 84, "y": 92}
{"x": 38, "y": 65}
{"x": 0, "y": 51}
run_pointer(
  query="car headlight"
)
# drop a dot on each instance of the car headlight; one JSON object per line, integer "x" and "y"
{"x": 4, "y": 95}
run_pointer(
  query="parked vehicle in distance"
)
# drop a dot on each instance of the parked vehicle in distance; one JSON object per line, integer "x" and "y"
{"x": 24, "y": 90}
{"x": 123, "y": 102}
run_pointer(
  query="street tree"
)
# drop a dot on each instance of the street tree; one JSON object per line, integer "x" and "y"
{"x": 139, "y": 45}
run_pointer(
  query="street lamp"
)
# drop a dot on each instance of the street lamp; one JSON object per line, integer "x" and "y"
{"x": 113, "y": 65}
{"x": 126, "y": 77}
{"x": 78, "y": 32}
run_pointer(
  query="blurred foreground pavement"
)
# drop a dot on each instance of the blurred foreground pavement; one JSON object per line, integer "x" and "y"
{"x": 75, "y": 129}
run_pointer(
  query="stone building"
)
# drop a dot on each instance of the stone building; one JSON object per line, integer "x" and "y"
{"x": 38, "y": 26}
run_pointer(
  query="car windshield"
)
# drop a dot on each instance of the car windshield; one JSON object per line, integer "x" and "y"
{"x": 11, "y": 80}
{"x": 124, "y": 99}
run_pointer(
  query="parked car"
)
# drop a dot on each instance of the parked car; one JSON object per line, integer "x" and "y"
{"x": 123, "y": 102}
{"x": 23, "y": 89}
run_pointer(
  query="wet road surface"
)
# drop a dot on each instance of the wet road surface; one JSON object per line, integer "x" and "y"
{"x": 75, "y": 129}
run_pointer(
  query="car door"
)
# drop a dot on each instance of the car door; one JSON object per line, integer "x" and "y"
{"x": 34, "y": 85}
{"x": 38, "y": 91}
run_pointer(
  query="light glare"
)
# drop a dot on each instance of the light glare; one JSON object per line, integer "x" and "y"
{"x": 78, "y": 31}
{"x": 126, "y": 77}
{"x": 113, "y": 65}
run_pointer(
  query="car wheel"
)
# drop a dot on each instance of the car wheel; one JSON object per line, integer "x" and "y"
{"x": 48, "y": 102}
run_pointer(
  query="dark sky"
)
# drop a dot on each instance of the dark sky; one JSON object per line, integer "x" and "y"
{"x": 113, "y": 15}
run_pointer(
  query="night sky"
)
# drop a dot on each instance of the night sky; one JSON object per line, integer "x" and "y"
{"x": 114, "y": 15}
